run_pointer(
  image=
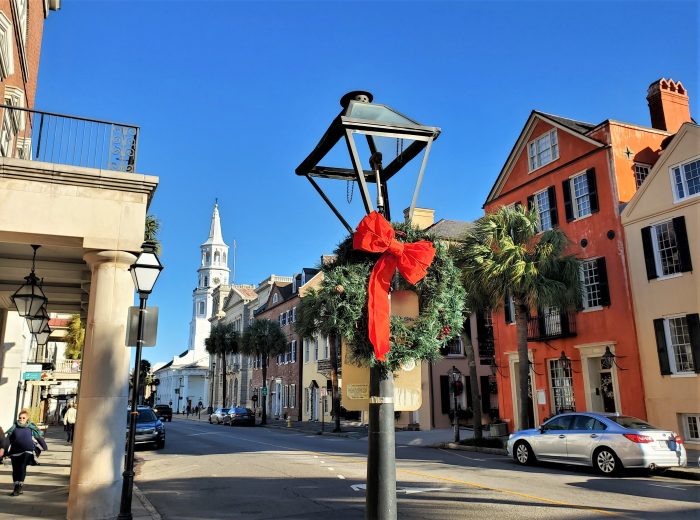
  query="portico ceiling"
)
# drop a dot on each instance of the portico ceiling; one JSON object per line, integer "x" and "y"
{"x": 66, "y": 276}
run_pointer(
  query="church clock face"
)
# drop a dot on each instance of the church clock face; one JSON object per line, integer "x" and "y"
{"x": 216, "y": 281}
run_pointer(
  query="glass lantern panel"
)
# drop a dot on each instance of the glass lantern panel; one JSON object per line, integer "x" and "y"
{"x": 379, "y": 113}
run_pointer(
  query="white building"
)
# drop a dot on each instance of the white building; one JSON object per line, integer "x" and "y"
{"x": 185, "y": 378}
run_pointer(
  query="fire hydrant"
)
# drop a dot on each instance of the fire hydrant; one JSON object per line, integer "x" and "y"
{"x": 289, "y": 421}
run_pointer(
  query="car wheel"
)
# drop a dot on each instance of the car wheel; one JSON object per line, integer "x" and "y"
{"x": 522, "y": 453}
{"x": 160, "y": 445}
{"x": 606, "y": 462}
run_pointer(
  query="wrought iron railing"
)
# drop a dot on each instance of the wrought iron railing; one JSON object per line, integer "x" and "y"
{"x": 68, "y": 366}
{"x": 551, "y": 325}
{"x": 76, "y": 141}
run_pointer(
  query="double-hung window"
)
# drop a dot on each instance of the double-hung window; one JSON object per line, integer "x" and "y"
{"x": 545, "y": 203}
{"x": 691, "y": 425}
{"x": 543, "y": 150}
{"x": 454, "y": 346}
{"x": 641, "y": 172}
{"x": 580, "y": 195}
{"x": 686, "y": 179}
{"x": 678, "y": 344}
{"x": 594, "y": 282}
{"x": 283, "y": 319}
{"x": 293, "y": 351}
{"x": 666, "y": 248}
{"x": 292, "y": 396}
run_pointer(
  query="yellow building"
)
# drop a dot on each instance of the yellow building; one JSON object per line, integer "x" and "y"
{"x": 662, "y": 233}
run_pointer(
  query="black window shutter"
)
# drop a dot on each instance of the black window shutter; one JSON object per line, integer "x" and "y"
{"x": 468, "y": 385}
{"x": 603, "y": 281}
{"x": 682, "y": 244}
{"x": 661, "y": 347}
{"x": 552, "y": 195}
{"x": 468, "y": 327}
{"x": 592, "y": 190}
{"x": 485, "y": 394}
{"x": 530, "y": 202}
{"x": 568, "y": 206}
{"x": 649, "y": 253}
{"x": 445, "y": 394}
{"x": 480, "y": 327}
{"x": 694, "y": 333}
{"x": 507, "y": 309}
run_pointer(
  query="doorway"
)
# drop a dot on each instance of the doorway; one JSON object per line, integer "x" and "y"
{"x": 600, "y": 379}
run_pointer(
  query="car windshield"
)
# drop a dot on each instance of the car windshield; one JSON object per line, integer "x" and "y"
{"x": 238, "y": 410}
{"x": 224, "y": 410}
{"x": 144, "y": 416}
{"x": 632, "y": 423}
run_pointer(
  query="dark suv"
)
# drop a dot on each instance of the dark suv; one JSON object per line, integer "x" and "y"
{"x": 164, "y": 412}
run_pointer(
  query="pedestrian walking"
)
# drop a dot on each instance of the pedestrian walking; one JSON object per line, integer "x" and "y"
{"x": 22, "y": 435}
{"x": 69, "y": 421}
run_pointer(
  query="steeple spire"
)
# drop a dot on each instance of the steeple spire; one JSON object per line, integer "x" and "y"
{"x": 215, "y": 236}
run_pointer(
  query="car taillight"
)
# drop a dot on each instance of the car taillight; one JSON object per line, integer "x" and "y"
{"x": 641, "y": 439}
{"x": 236, "y": 415}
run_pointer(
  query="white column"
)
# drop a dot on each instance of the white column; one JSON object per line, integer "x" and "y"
{"x": 98, "y": 446}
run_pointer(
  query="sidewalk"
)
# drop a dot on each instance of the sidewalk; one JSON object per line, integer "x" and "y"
{"x": 46, "y": 488}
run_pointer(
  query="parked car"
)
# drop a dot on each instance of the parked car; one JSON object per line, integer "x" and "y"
{"x": 164, "y": 412}
{"x": 218, "y": 416}
{"x": 608, "y": 442}
{"x": 243, "y": 416}
{"x": 149, "y": 428}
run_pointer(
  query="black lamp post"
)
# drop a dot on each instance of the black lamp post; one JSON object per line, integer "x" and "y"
{"x": 456, "y": 380}
{"x": 381, "y": 126}
{"x": 179, "y": 393}
{"x": 144, "y": 272}
{"x": 210, "y": 410}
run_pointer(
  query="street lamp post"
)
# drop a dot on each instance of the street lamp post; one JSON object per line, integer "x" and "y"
{"x": 456, "y": 380}
{"x": 210, "y": 410}
{"x": 380, "y": 126}
{"x": 179, "y": 393}
{"x": 144, "y": 272}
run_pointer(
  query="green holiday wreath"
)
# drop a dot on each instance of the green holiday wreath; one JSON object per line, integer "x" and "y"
{"x": 339, "y": 305}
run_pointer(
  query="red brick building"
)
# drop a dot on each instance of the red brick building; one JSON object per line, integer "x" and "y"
{"x": 578, "y": 176}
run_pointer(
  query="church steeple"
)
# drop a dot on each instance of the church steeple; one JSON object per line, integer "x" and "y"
{"x": 215, "y": 236}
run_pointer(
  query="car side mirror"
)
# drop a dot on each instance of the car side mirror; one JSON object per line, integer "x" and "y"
{"x": 542, "y": 429}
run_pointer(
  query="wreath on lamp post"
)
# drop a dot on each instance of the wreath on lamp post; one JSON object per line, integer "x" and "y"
{"x": 339, "y": 304}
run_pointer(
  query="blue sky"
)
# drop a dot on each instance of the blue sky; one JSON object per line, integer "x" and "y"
{"x": 232, "y": 96}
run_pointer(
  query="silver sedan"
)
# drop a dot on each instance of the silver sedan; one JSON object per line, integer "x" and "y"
{"x": 608, "y": 442}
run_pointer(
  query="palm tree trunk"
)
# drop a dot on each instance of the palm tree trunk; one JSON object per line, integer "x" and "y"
{"x": 333, "y": 338}
{"x": 474, "y": 383}
{"x": 522, "y": 312}
{"x": 264, "y": 397}
{"x": 223, "y": 379}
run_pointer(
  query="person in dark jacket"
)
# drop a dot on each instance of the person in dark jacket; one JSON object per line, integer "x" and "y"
{"x": 21, "y": 436}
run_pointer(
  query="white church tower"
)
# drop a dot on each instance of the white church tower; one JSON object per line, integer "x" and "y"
{"x": 213, "y": 271}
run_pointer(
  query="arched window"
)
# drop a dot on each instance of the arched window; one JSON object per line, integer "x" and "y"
{"x": 217, "y": 257}
{"x": 224, "y": 256}
{"x": 208, "y": 257}
{"x": 201, "y": 308}
{"x": 206, "y": 281}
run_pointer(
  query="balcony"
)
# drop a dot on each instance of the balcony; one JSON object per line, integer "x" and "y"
{"x": 551, "y": 325}
{"x": 68, "y": 366}
{"x": 61, "y": 139}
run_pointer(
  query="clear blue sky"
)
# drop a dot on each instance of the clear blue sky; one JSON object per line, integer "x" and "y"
{"x": 231, "y": 96}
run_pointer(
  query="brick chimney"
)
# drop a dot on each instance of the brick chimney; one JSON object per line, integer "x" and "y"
{"x": 668, "y": 105}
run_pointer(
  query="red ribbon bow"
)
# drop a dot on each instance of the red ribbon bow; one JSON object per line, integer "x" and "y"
{"x": 375, "y": 235}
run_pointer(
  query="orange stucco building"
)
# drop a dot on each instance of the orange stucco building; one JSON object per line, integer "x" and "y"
{"x": 578, "y": 176}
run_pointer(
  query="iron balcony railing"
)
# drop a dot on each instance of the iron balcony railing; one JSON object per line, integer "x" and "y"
{"x": 68, "y": 366}
{"x": 76, "y": 141}
{"x": 551, "y": 325}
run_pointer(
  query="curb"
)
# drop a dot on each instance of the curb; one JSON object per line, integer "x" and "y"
{"x": 462, "y": 447}
{"x": 347, "y": 435}
{"x": 681, "y": 474}
{"x": 155, "y": 515}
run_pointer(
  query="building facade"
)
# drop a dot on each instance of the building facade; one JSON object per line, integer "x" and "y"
{"x": 577, "y": 175}
{"x": 662, "y": 231}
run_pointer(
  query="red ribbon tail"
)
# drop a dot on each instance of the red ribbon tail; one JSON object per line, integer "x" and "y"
{"x": 378, "y": 305}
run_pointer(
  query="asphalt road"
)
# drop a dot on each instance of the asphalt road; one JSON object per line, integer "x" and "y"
{"x": 212, "y": 471}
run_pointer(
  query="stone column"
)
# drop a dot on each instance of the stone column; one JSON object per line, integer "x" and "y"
{"x": 98, "y": 446}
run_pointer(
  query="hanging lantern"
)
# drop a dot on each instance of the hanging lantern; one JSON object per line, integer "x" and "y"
{"x": 29, "y": 298}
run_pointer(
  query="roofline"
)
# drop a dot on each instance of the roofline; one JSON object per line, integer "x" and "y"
{"x": 529, "y": 124}
{"x": 630, "y": 125}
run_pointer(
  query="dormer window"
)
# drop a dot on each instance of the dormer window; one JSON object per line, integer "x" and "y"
{"x": 275, "y": 297}
{"x": 686, "y": 179}
{"x": 543, "y": 150}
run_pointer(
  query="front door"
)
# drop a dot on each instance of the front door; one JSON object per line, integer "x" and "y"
{"x": 602, "y": 386}
{"x": 314, "y": 404}
{"x": 607, "y": 391}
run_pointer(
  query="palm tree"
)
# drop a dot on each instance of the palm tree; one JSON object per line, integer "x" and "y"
{"x": 75, "y": 338}
{"x": 150, "y": 232}
{"x": 264, "y": 338}
{"x": 504, "y": 256}
{"x": 223, "y": 340}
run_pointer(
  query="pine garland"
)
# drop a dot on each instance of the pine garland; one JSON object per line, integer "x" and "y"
{"x": 339, "y": 306}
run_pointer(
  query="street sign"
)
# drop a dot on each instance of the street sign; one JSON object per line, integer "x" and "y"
{"x": 264, "y": 390}
{"x": 150, "y": 327}
{"x": 31, "y": 376}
